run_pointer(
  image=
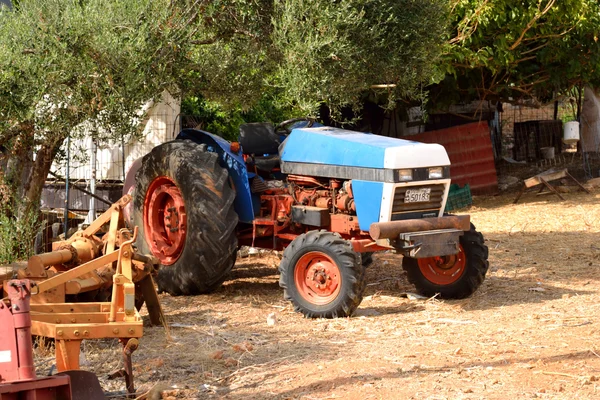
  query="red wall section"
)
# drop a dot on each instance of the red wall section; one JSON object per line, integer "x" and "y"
{"x": 470, "y": 150}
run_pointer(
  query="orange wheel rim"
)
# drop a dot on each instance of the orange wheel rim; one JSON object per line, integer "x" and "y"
{"x": 165, "y": 220}
{"x": 317, "y": 278}
{"x": 443, "y": 270}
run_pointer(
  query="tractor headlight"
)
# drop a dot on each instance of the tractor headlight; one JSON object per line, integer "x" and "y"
{"x": 405, "y": 175}
{"x": 436, "y": 173}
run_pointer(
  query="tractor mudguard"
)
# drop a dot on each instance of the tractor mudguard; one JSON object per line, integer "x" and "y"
{"x": 235, "y": 166}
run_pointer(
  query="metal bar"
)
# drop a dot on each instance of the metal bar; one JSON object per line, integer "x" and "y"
{"x": 106, "y": 216}
{"x": 71, "y": 307}
{"x": 67, "y": 173}
{"x": 150, "y": 296}
{"x": 92, "y": 210}
{"x": 67, "y": 354}
{"x": 112, "y": 230}
{"x": 123, "y": 156}
{"x": 74, "y": 318}
{"x": 77, "y": 271}
{"x": 73, "y": 185}
{"x": 118, "y": 289}
{"x": 116, "y": 329}
{"x": 128, "y": 348}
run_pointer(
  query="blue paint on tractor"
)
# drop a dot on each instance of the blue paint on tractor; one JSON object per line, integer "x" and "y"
{"x": 235, "y": 166}
{"x": 367, "y": 197}
{"x": 323, "y": 145}
{"x": 333, "y": 146}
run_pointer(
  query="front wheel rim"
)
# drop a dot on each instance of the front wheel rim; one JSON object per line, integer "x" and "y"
{"x": 443, "y": 270}
{"x": 165, "y": 220}
{"x": 317, "y": 278}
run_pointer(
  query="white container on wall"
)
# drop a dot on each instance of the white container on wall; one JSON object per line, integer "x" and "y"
{"x": 571, "y": 132}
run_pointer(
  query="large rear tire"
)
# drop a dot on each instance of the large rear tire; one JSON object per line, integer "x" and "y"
{"x": 322, "y": 275}
{"x": 183, "y": 207}
{"x": 452, "y": 277}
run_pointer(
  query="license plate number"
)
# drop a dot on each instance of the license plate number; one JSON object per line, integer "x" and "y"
{"x": 417, "y": 195}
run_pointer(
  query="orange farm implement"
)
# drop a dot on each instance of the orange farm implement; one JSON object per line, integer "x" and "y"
{"x": 90, "y": 266}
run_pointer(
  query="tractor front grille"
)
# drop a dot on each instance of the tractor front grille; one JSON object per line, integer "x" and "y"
{"x": 424, "y": 209}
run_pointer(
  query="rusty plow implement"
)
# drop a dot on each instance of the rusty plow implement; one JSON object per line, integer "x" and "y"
{"x": 92, "y": 266}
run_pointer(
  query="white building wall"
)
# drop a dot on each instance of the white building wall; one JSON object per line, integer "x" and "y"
{"x": 161, "y": 125}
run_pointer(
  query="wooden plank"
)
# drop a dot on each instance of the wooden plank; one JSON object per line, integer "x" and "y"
{"x": 578, "y": 184}
{"x": 520, "y": 194}
{"x": 551, "y": 188}
{"x": 546, "y": 176}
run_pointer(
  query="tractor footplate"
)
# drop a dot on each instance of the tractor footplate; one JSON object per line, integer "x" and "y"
{"x": 443, "y": 242}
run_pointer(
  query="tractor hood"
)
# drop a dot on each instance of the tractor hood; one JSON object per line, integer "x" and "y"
{"x": 340, "y": 153}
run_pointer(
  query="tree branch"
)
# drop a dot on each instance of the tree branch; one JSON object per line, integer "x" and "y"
{"x": 532, "y": 22}
{"x": 467, "y": 31}
{"x": 204, "y": 42}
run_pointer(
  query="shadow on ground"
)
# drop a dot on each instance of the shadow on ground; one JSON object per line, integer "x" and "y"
{"x": 415, "y": 373}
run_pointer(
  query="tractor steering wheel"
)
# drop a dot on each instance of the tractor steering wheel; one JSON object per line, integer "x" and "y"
{"x": 284, "y": 125}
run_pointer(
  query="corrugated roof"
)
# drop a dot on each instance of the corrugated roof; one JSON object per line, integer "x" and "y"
{"x": 470, "y": 150}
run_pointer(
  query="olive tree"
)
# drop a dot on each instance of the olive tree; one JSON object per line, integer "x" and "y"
{"x": 66, "y": 64}
{"x": 69, "y": 63}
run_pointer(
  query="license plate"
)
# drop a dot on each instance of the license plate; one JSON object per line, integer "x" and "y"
{"x": 417, "y": 195}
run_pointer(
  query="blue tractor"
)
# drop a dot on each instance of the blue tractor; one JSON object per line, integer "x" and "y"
{"x": 328, "y": 197}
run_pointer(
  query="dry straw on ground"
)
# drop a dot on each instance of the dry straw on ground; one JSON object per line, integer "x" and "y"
{"x": 531, "y": 331}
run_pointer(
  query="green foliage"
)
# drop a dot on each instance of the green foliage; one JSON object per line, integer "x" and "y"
{"x": 225, "y": 121}
{"x": 16, "y": 232}
{"x": 308, "y": 52}
{"x": 80, "y": 68}
{"x": 521, "y": 50}
{"x": 63, "y": 62}
{"x": 334, "y": 52}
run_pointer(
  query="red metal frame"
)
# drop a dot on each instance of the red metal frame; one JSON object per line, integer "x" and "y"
{"x": 17, "y": 371}
{"x": 165, "y": 223}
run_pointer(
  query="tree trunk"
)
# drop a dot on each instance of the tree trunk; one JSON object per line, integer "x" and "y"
{"x": 24, "y": 167}
{"x": 590, "y": 120}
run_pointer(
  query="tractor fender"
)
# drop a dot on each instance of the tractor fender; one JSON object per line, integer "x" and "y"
{"x": 234, "y": 162}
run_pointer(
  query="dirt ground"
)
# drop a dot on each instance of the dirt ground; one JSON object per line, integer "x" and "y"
{"x": 530, "y": 331}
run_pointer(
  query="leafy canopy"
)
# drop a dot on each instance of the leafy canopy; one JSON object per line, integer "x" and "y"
{"x": 63, "y": 62}
{"x": 521, "y": 49}
{"x": 302, "y": 53}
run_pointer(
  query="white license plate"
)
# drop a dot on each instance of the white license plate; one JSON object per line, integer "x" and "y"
{"x": 417, "y": 195}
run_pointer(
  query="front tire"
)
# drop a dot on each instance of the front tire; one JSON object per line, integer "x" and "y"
{"x": 183, "y": 207}
{"x": 452, "y": 277}
{"x": 322, "y": 275}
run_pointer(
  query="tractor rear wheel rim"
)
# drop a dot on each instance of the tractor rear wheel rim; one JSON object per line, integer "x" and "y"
{"x": 317, "y": 278}
{"x": 165, "y": 220}
{"x": 443, "y": 270}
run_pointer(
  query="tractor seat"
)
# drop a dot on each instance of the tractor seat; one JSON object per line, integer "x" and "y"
{"x": 260, "y": 140}
{"x": 267, "y": 163}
